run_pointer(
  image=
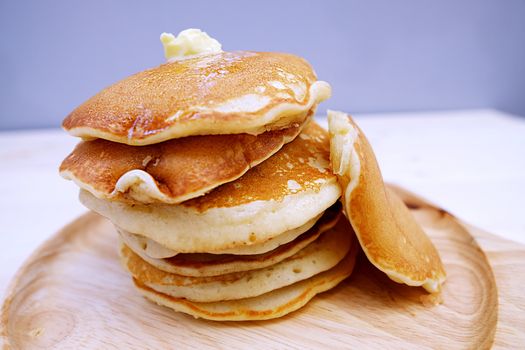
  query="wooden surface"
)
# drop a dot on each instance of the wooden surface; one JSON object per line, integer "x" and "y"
{"x": 72, "y": 293}
{"x": 507, "y": 261}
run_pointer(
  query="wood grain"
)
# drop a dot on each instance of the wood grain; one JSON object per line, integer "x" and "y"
{"x": 72, "y": 293}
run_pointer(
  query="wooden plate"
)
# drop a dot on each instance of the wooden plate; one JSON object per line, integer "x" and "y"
{"x": 72, "y": 293}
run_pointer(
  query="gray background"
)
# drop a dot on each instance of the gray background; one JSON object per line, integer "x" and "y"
{"x": 379, "y": 55}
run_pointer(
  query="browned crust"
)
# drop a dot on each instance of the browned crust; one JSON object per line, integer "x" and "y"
{"x": 141, "y": 106}
{"x": 270, "y": 179}
{"x": 181, "y": 168}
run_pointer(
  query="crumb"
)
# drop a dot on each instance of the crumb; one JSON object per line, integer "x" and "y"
{"x": 293, "y": 185}
{"x": 36, "y": 332}
{"x": 429, "y": 300}
{"x": 146, "y": 160}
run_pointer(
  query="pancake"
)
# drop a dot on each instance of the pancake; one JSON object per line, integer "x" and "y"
{"x": 220, "y": 93}
{"x": 172, "y": 171}
{"x": 274, "y": 304}
{"x": 280, "y": 194}
{"x": 320, "y": 255}
{"x": 388, "y": 233}
{"x": 147, "y": 246}
{"x": 198, "y": 265}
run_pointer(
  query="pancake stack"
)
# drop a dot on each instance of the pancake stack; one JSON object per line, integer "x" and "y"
{"x": 227, "y": 197}
{"x": 218, "y": 183}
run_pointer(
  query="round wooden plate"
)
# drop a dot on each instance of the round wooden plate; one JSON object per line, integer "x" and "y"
{"x": 72, "y": 293}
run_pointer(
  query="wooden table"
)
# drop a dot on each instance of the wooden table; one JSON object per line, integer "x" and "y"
{"x": 471, "y": 162}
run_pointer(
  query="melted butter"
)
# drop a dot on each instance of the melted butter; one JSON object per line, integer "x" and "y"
{"x": 189, "y": 42}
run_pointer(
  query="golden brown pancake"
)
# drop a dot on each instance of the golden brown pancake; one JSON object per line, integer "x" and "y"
{"x": 222, "y": 93}
{"x": 199, "y": 265}
{"x": 388, "y": 233}
{"x": 321, "y": 255}
{"x": 172, "y": 171}
{"x": 302, "y": 165}
{"x": 147, "y": 246}
{"x": 280, "y": 194}
{"x": 274, "y": 304}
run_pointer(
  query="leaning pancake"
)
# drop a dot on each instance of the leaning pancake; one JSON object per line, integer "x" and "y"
{"x": 320, "y": 255}
{"x": 198, "y": 265}
{"x": 280, "y": 194}
{"x": 276, "y": 303}
{"x": 172, "y": 171}
{"x": 221, "y": 93}
{"x": 388, "y": 233}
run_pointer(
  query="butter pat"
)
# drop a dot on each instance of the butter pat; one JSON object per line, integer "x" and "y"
{"x": 189, "y": 42}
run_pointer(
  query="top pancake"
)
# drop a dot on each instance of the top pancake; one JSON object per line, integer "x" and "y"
{"x": 172, "y": 171}
{"x": 222, "y": 93}
{"x": 390, "y": 236}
